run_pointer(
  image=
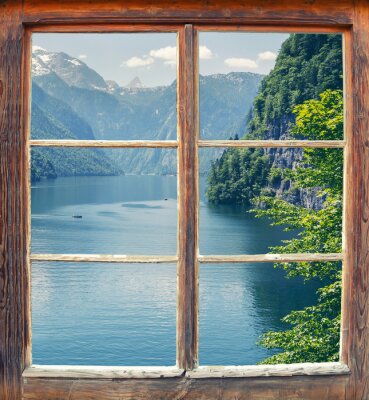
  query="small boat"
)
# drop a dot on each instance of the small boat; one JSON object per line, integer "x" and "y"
{"x": 165, "y": 199}
{"x": 77, "y": 216}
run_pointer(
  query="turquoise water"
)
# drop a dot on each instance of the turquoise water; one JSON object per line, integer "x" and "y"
{"x": 118, "y": 314}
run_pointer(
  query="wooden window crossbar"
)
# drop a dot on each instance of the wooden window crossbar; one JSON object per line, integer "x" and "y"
{"x": 104, "y": 143}
{"x": 273, "y": 143}
{"x": 200, "y": 143}
{"x": 204, "y": 259}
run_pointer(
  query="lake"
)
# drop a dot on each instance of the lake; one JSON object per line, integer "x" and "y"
{"x": 119, "y": 314}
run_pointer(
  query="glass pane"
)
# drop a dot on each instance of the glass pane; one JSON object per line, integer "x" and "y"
{"x": 251, "y": 84}
{"x": 118, "y": 86}
{"x": 103, "y": 314}
{"x": 104, "y": 201}
{"x": 255, "y": 201}
{"x": 241, "y": 302}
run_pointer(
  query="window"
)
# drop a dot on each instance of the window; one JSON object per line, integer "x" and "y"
{"x": 41, "y": 382}
{"x": 86, "y": 317}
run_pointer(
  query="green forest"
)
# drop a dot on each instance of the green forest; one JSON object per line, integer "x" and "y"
{"x": 301, "y": 98}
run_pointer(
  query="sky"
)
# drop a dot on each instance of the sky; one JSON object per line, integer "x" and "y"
{"x": 152, "y": 56}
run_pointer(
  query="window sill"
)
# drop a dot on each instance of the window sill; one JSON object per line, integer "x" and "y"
{"x": 255, "y": 371}
{"x": 205, "y": 372}
{"x": 97, "y": 372}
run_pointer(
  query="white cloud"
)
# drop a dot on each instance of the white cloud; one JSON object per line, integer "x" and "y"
{"x": 168, "y": 54}
{"x": 82, "y": 56}
{"x": 205, "y": 53}
{"x": 135, "y": 62}
{"x": 240, "y": 63}
{"x": 267, "y": 56}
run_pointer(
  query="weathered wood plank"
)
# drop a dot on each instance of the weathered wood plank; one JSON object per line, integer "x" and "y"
{"x": 206, "y": 372}
{"x": 14, "y": 284}
{"x": 105, "y": 143}
{"x": 275, "y": 28}
{"x": 286, "y": 388}
{"x": 253, "y": 371}
{"x": 317, "y": 12}
{"x": 356, "y": 277}
{"x": 167, "y": 27}
{"x": 99, "y": 372}
{"x": 188, "y": 200}
{"x": 111, "y": 28}
{"x": 273, "y": 143}
{"x": 246, "y": 258}
{"x": 105, "y": 258}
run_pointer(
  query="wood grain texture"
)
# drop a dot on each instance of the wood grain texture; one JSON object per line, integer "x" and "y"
{"x": 99, "y": 372}
{"x": 273, "y": 143}
{"x": 14, "y": 285}
{"x": 205, "y": 372}
{"x": 105, "y": 143}
{"x": 253, "y": 371}
{"x": 356, "y": 277}
{"x": 303, "y": 12}
{"x": 284, "y": 388}
{"x": 111, "y": 28}
{"x": 188, "y": 200}
{"x": 14, "y": 275}
{"x": 26, "y": 186}
{"x": 275, "y": 28}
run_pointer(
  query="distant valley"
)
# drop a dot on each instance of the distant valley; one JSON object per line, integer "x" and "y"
{"x": 72, "y": 101}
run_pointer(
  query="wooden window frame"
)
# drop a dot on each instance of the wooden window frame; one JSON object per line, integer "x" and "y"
{"x": 347, "y": 379}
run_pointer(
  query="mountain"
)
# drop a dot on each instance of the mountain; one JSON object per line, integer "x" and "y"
{"x": 53, "y": 118}
{"x": 61, "y": 111}
{"x": 225, "y": 100}
{"x": 136, "y": 112}
{"x": 135, "y": 83}
{"x": 72, "y": 70}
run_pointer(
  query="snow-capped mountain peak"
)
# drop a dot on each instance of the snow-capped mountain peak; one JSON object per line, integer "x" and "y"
{"x": 72, "y": 70}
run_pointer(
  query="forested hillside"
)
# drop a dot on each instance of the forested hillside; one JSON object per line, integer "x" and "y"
{"x": 306, "y": 66}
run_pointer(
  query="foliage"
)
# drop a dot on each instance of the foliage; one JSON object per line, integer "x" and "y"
{"x": 238, "y": 176}
{"x": 314, "y": 331}
{"x": 307, "y": 65}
